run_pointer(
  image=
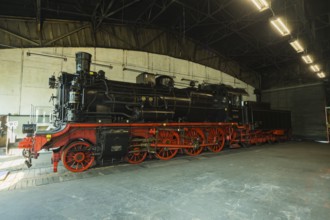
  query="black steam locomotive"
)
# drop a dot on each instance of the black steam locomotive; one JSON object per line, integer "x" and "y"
{"x": 97, "y": 119}
{"x": 89, "y": 97}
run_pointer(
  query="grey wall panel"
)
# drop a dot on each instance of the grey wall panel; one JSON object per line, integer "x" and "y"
{"x": 307, "y": 104}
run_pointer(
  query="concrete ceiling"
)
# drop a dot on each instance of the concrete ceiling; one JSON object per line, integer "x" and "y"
{"x": 211, "y": 32}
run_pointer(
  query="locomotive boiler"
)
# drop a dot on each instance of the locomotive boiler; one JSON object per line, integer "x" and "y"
{"x": 89, "y": 97}
{"x": 98, "y": 120}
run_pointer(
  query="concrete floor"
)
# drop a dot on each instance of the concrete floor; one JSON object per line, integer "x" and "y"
{"x": 281, "y": 181}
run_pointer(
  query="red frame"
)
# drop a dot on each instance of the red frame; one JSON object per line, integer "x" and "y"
{"x": 234, "y": 134}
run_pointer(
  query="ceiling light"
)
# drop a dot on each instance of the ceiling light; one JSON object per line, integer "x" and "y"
{"x": 297, "y": 46}
{"x": 261, "y": 4}
{"x": 280, "y": 26}
{"x": 321, "y": 75}
{"x": 315, "y": 68}
{"x": 307, "y": 59}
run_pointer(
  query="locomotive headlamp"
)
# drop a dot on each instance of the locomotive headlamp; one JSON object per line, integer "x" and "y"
{"x": 48, "y": 137}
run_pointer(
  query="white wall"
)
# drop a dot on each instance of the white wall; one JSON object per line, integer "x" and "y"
{"x": 24, "y": 79}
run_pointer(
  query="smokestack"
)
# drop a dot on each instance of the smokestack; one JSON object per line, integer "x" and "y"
{"x": 83, "y": 62}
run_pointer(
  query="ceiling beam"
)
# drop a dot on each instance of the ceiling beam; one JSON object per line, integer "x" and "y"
{"x": 153, "y": 39}
{"x": 66, "y": 35}
{"x": 122, "y": 8}
{"x": 39, "y": 20}
{"x": 195, "y": 9}
{"x": 235, "y": 31}
{"x": 19, "y": 36}
{"x": 267, "y": 50}
{"x": 150, "y": 6}
{"x": 163, "y": 9}
{"x": 222, "y": 7}
{"x": 252, "y": 49}
{"x": 275, "y": 63}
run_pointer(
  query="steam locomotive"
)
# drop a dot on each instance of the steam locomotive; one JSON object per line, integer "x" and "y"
{"x": 98, "y": 120}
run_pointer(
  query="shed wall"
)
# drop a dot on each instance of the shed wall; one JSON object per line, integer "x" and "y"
{"x": 24, "y": 78}
{"x": 307, "y": 106}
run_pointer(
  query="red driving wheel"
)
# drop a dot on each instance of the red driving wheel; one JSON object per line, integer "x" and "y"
{"x": 194, "y": 137}
{"x": 78, "y": 156}
{"x": 216, "y": 137}
{"x": 167, "y": 137}
{"x": 135, "y": 153}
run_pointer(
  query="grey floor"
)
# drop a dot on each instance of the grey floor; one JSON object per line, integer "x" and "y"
{"x": 280, "y": 181}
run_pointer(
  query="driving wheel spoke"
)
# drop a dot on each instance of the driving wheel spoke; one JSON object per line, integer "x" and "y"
{"x": 167, "y": 137}
{"x": 76, "y": 155}
{"x": 194, "y": 138}
{"x": 135, "y": 153}
{"x": 217, "y": 138}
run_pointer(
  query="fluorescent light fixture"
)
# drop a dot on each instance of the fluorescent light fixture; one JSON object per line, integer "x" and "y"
{"x": 321, "y": 75}
{"x": 261, "y": 4}
{"x": 315, "y": 68}
{"x": 280, "y": 26}
{"x": 297, "y": 46}
{"x": 307, "y": 59}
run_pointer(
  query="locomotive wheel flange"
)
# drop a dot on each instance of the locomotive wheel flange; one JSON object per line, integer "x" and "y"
{"x": 78, "y": 156}
{"x": 166, "y": 137}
